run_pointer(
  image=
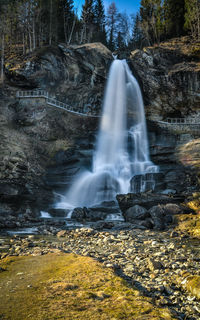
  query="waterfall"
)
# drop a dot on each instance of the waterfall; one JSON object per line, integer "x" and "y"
{"x": 122, "y": 151}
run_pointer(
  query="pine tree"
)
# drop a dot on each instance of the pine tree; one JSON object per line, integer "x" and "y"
{"x": 152, "y": 20}
{"x": 123, "y": 26}
{"x": 68, "y": 18}
{"x": 137, "y": 39}
{"x": 3, "y": 35}
{"x": 99, "y": 20}
{"x": 87, "y": 18}
{"x": 120, "y": 41}
{"x": 112, "y": 25}
{"x": 192, "y": 18}
{"x": 174, "y": 11}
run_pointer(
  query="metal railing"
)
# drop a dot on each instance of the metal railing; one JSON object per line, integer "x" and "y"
{"x": 181, "y": 121}
{"x": 51, "y": 101}
{"x": 58, "y": 104}
{"x": 32, "y": 94}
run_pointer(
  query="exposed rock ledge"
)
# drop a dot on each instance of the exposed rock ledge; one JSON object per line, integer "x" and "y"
{"x": 170, "y": 77}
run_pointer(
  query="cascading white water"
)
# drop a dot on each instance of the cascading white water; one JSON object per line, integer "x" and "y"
{"x": 121, "y": 152}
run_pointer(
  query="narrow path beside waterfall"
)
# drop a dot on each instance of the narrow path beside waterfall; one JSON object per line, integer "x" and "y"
{"x": 153, "y": 262}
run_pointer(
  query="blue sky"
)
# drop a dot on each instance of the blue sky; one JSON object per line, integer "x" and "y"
{"x": 128, "y": 6}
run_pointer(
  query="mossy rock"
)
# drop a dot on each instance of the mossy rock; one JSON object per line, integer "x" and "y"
{"x": 66, "y": 286}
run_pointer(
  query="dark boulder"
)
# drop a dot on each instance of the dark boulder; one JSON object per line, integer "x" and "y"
{"x": 94, "y": 215}
{"x": 146, "y": 200}
{"x": 158, "y": 217}
{"x": 79, "y": 214}
{"x": 136, "y": 213}
{"x": 58, "y": 212}
{"x": 172, "y": 209}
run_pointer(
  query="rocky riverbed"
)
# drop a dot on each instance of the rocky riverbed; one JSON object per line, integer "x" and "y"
{"x": 158, "y": 264}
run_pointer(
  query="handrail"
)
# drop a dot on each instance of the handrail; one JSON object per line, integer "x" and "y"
{"x": 51, "y": 101}
{"x": 180, "y": 121}
{"x": 61, "y": 105}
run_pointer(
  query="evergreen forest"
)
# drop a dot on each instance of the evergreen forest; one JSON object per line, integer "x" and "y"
{"x": 29, "y": 24}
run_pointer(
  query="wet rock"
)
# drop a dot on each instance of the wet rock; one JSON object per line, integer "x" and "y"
{"x": 109, "y": 207}
{"x": 101, "y": 225}
{"x": 122, "y": 226}
{"x": 146, "y": 200}
{"x": 136, "y": 212}
{"x": 168, "y": 218}
{"x": 172, "y": 209}
{"x": 168, "y": 191}
{"x": 79, "y": 214}
{"x": 54, "y": 212}
{"x": 175, "y": 179}
{"x": 147, "y": 182}
{"x": 94, "y": 215}
{"x": 157, "y": 215}
{"x": 147, "y": 223}
{"x": 141, "y": 224}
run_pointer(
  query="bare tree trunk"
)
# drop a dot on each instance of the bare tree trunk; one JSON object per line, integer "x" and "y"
{"x": 64, "y": 26}
{"x": 40, "y": 33}
{"x": 24, "y": 45}
{"x": 50, "y": 24}
{"x": 34, "y": 35}
{"x": 30, "y": 39}
{"x": 82, "y": 34}
{"x": 198, "y": 21}
{"x": 72, "y": 30}
{"x": 2, "y": 57}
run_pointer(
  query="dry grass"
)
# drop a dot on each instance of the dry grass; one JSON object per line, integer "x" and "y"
{"x": 189, "y": 223}
{"x": 66, "y": 286}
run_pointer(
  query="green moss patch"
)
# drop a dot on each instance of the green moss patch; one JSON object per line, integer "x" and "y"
{"x": 66, "y": 286}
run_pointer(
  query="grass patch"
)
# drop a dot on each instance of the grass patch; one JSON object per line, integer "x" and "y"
{"x": 66, "y": 286}
{"x": 193, "y": 285}
{"x": 189, "y": 223}
{"x": 190, "y": 282}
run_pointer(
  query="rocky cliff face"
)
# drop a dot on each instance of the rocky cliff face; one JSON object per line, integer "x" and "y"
{"x": 37, "y": 142}
{"x": 73, "y": 74}
{"x": 33, "y": 139}
{"x": 42, "y": 147}
{"x": 169, "y": 75}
